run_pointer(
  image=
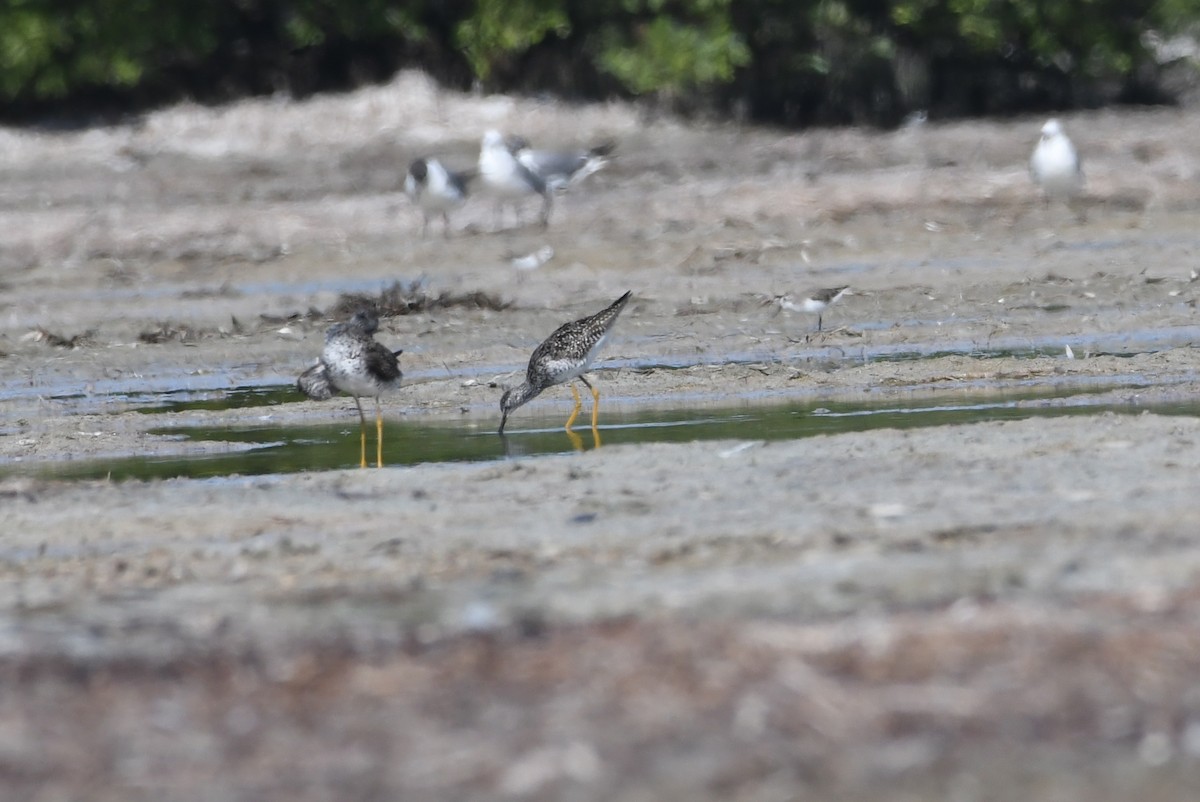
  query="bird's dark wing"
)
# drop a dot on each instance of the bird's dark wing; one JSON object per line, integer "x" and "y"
{"x": 533, "y": 179}
{"x": 603, "y": 149}
{"x": 315, "y": 383}
{"x": 461, "y": 179}
{"x": 827, "y": 295}
{"x": 552, "y": 163}
{"x": 382, "y": 362}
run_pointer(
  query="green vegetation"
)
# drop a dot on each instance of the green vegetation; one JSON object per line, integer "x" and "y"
{"x": 795, "y": 62}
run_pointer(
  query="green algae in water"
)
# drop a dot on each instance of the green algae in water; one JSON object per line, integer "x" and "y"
{"x": 274, "y": 449}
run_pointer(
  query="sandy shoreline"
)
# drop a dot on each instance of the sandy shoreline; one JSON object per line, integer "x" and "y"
{"x": 989, "y": 611}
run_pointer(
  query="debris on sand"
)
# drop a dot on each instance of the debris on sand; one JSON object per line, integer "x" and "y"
{"x": 166, "y": 332}
{"x": 312, "y": 315}
{"x": 405, "y": 298}
{"x": 224, "y": 291}
{"x": 41, "y": 335}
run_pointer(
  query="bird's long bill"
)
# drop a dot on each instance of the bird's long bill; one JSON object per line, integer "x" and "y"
{"x": 503, "y": 420}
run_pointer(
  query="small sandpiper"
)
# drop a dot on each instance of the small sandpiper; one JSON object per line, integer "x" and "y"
{"x": 435, "y": 190}
{"x": 565, "y": 355}
{"x": 815, "y": 303}
{"x": 354, "y": 363}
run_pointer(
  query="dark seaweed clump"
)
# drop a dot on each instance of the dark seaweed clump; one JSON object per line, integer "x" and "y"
{"x": 405, "y": 298}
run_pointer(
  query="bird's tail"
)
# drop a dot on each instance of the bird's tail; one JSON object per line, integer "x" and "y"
{"x": 595, "y": 161}
{"x": 315, "y": 383}
{"x": 603, "y": 149}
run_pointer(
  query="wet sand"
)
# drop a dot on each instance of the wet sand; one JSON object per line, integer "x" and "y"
{"x": 987, "y": 611}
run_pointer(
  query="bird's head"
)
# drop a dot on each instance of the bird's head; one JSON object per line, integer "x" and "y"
{"x": 516, "y": 143}
{"x": 776, "y": 302}
{"x": 365, "y": 320}
{"x": 505, "y": 408}
{"x": 419, "y": 170}
{"x": 514, "y": 397}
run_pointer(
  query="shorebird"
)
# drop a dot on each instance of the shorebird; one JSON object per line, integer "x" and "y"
{"x": 509, "y": 179}
{"x": 354, "y": 363}
{"x": 1055, "y": 165}
{"x": 815, "y": 303}
{"x": 565, "y": 355}
{"x": 435, "y": 190}
{"x": 560, "y": 169}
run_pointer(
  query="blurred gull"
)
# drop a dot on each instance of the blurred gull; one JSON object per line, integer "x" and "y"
{"x": 508, "y": 179}
{"x": 1055, "y": 165}
{"x": 560, "y": 169}
{"x": 435, "y": 190}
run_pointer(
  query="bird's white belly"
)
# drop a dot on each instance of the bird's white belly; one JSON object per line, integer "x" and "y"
{"x": 355, "y": 384}
{"x": 1057, "y": 169}
{"x": 343, "y": 363}
{"x": 442, "y": 194}
{"x": 499, "y": 173}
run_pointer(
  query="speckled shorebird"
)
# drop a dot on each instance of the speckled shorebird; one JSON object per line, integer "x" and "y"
{"x": 816, "y": 302}
{"x": 565, "y": 355}
{"x": 353, "y": 363}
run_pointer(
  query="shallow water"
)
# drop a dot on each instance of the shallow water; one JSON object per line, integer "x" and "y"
{"x": 164, "y": 392}
{"x": 273, "y": 449}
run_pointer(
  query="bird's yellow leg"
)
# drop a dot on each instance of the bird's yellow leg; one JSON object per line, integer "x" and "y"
{"x": 575, "y": 411}
{"x": 378, "y": 435}
{"x": 362, "y": 435}
{"x": 576, "y": 440}
{"x": 595, "y": 437}
{"x": 595, "y": 406}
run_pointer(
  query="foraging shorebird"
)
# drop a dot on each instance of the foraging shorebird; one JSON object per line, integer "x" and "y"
{"x": 815, "y": 303}
{"x": 565, "y": 355}
{"x": 1055, "y": 165}
{"x": 352, "y": 362}
{"x": 435, "y": 190}
{"x": 507, "y": 178}
{"x": 560, "y": 169}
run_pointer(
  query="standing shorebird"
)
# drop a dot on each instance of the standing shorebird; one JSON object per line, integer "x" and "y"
{"x": 565, "y": 355}
{"x": 1055, "y": 165}
{"x": 353, "y": 363}
{"x": 507, "y": 178}
{"x": 435, "y": 190}
{"x": 815, "y": 303}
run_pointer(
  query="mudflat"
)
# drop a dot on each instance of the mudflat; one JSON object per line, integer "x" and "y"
{"x": 998, "y": 610}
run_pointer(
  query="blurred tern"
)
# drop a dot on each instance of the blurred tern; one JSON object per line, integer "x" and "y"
{"x": 507, "y": 178}
{"x": 1055, "y": 165}
{"x": 435, "y": 190}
